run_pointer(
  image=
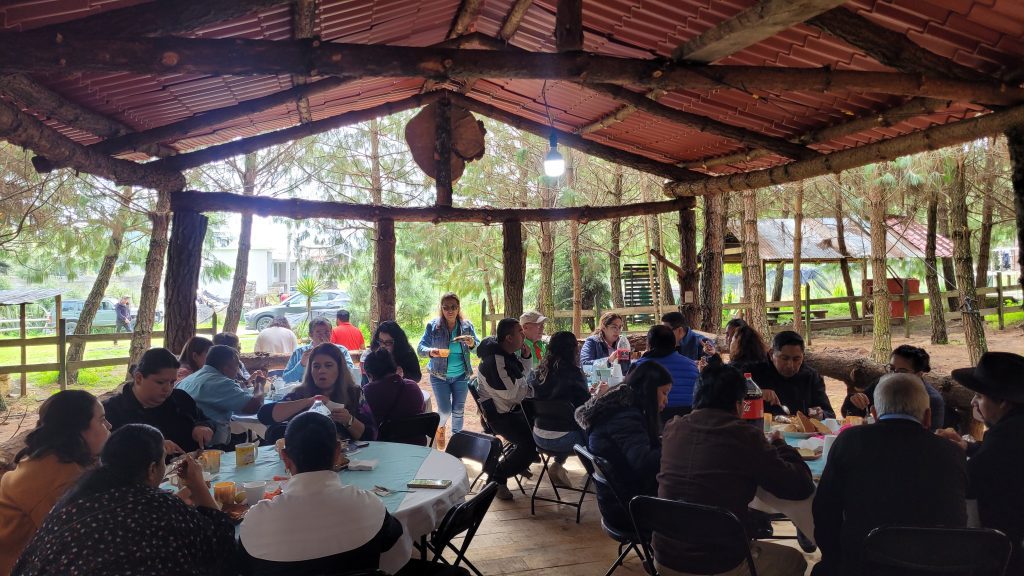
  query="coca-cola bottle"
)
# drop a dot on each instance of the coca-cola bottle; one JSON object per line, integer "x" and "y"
{"x": 753, "y": 402}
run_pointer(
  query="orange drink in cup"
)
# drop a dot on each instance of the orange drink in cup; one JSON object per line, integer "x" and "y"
{"x": 443, "y": 352}
{"x": 210, "y": 460}
{"x": 224, "y": 492}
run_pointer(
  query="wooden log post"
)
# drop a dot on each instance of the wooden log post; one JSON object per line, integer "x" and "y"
{"x": 711, "y": 264}
{"x": 384, "y": 283}
{"x": 443, "y": 153}
{"x": 184, "y": 260}
{"x": 515, "y": 267}
{"x": 569, "y": 25}
{"x": 906, "y": 307}
{"x": 688, "y": 279}
{"x": 62, "y": 353}
{"x": 23, "y": 334}
{"x": 999, "y": 298}
{"x": 1015, "y": 143}
{"x": 807, "y": 312}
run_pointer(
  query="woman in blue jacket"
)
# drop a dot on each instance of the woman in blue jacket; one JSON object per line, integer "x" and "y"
{"x": 661, "y": 348}
{"x": 448, "y": 340}
{"x": 604, "y": 341}
{"x": 623, "y": 428}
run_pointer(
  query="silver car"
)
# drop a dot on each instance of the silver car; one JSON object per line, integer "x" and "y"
{"x": 325, "y": 304}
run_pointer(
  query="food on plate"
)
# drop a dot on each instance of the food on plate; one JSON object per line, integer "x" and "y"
{"x": 809, "y": 425}
{"x": 808, "y": 454}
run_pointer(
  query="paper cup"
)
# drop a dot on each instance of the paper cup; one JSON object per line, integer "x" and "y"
{"x": 253, "y": 491}
{"x": 832, "y": 424}
{"x": 829, "y": 439}
{"x": 245, "y": 454}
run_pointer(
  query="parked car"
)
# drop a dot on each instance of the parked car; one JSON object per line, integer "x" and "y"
{"x": 326, "y": 304}
{"x": 70, "y": 310}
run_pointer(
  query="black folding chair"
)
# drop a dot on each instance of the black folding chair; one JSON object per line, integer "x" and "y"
{"x": 483, "y": 449}
{"x": 558, "y": 417}
{"x": 407, "y": 429}
{"x": 462, "y": 519}
{"x": 716, "y": 530}
{"x": 482, "y": 411}
{"x": 914, "y": 551}
{"x": 627, "y": 536}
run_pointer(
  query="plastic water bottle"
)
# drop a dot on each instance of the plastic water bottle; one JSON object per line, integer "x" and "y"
{"x": 320, "y": 408}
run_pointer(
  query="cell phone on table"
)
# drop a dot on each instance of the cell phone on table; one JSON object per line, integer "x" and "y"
{"x": 425, "y": 483}
{"x": 358, "y": 444}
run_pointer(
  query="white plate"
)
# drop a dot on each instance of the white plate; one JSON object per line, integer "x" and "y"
{"x": 798, "y": 434}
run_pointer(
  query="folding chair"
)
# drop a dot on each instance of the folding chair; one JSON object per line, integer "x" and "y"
{"x": 716, "y": 530}
{"x": 914, "y": 551}
{"x": 558, "y": 417}
{"x": 481, "y": 448}
{"x": 464, "y": 518}
{"x": 627, "y": 537}
{"x": 410, "y": 430}
{"x": 482, "y": 411}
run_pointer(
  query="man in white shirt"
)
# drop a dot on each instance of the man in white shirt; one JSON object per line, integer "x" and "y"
{"x": 317, "y": 525}
{"x": 277, "y": 338}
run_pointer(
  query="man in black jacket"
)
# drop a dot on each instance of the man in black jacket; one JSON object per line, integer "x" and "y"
{"x": 786, "y": 381}
{"x": 894, "y": 472}
{"x": 996, "y": 466}
{"x": 502, "y": 386}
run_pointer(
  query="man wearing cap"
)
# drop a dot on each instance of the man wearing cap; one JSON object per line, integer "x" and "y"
{"x": 995, "y": 467}
{"x": 532, "y": 322}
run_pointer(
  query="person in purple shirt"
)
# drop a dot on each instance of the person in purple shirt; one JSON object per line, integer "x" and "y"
{"x": 390, "y": 396}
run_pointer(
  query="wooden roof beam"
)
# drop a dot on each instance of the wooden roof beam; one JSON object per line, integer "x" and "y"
{"x": 569, "y": 25}
{"x": 260, "y": 57}
{"x": 628, "y": 159}
{"x": 461, "y": 25}
{"x": 22, "y": 129}
{"x": 301, "y": 209}
{"x": 890, "y": 48}
{"x": 882, "y": 119}
{"x": 930, "y": 139}
{"x": 513, "y": 19}
{"x": 759, "y": 22}
{"x": 254, "y": 143}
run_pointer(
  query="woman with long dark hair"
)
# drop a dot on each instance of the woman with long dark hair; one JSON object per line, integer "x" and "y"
{"x": 66, "y": 440}
{"x": 139, "y": 528}
{"x": 746, "y": 347}
{"x": 558, "y": 377}
{"x": 624, "y": 428}
{"x": 193, "y": 356}
{"x": 447, "y": 341}
{"x": 390, "y": 336}
{"x": 327, "y": 376}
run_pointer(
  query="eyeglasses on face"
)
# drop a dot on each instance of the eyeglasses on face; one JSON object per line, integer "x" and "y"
{"x": 615, "y": 326}
{"x": 450, "y": 307}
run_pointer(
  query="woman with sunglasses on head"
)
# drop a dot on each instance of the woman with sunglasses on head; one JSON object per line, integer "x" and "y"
{"x": 447, "y": 341}
{"x": 905, "y": 359}
{"x": 390, "y": 336}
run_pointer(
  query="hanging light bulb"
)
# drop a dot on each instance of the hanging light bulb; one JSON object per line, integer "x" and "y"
{"x": 554, "y": 164}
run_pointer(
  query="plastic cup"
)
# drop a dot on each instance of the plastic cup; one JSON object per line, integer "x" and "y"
{"x": 279, "y": 446}
{"x": 210, "y": 459}
{"x": 829, "y": 439}
{"x": 443, "y": 352}
{"x": 224, "y": 492}
{"x": 270, "y": 490}
{"x": 254, "y": 491}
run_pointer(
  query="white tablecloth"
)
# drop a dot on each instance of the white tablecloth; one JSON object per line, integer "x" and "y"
{"x": 248, "y": 423}
{"x": 799, "y": 511}
{"x": 422, "y": 511}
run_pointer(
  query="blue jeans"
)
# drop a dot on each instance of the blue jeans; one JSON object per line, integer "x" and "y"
{"x": 450, "y": 399}
{"x": 562, "y": 445}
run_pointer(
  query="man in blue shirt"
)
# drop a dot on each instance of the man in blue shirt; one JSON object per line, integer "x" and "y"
{"x": 218, "y": 394}
{"x": 319, "y": 333}
{"x": 688, "y": 342}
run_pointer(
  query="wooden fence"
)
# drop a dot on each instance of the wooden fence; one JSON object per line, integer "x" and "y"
{"x": 810, "y": 323}
{"x": 60, "y": 341}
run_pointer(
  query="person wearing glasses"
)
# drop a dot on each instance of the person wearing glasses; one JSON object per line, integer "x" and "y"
{"x": 604, "y": 341}
{"x": 390, "y": 336}
{"x": 447, "y": 341}
{"x": 905, "y": 359}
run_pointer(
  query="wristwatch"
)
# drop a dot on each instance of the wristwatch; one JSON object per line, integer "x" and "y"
{"x": 351, "y": 419}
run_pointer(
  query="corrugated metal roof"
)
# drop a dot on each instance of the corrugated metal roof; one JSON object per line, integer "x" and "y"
{"x": 987, "y": 35}
{"x": 904, "y": 239}
{"x": 26, "y": 296}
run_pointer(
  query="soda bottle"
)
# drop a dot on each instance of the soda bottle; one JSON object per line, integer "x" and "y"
{"x": 753, "y": 402}
{"x": 320, "y": 408}
{"x": 623, "y": 348}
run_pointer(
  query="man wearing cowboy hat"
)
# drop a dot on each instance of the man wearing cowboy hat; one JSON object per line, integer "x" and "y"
{"x": 995, "y": 467}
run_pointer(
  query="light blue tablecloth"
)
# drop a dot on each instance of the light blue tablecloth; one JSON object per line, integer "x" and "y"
{"x": 397, "y": 464}
{"x": 816, "y": 466}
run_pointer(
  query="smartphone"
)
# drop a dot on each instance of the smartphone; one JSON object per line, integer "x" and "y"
{"x": 425, "y": 483}
{"x": 358, "y": 444}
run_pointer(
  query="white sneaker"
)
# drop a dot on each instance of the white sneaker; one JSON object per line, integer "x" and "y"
{"x": 503, "y": 493}
{"x": 559, "y": 476}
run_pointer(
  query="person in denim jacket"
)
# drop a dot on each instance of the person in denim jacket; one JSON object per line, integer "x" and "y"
{"x": 448, "y": 340}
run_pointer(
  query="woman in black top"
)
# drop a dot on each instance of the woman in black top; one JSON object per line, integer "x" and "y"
{"x": 559, "y": 378}
{"x": 390, "y": 336}
{"x": 745, "y": 348}
{"x": 151, "y": 398}
{"x": 117, "y": 521}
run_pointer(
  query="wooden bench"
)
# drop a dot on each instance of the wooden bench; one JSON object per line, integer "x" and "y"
{"x": 774, "y": 315}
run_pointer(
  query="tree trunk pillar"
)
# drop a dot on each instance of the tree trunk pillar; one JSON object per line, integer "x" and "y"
{"x": 443, "y": 153}
{"x": 184, "y": 260}
{"x": 1015, "y": 143}
{"x": 688, "y": 287}
{"x": 515, "y": 267}
{"x": 711, "y": 263}
{"x": 384, "y": 283}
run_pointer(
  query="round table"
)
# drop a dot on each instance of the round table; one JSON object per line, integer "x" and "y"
{"x": 799, "y": 511}
{"x": 420, "y": 511}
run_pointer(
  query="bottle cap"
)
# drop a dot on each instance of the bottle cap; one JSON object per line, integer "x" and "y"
{"x": 746, "y": 375}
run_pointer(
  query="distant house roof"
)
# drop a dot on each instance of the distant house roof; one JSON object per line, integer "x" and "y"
{"x": 905, "y": 238}
{"x": 26, "y": 296}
